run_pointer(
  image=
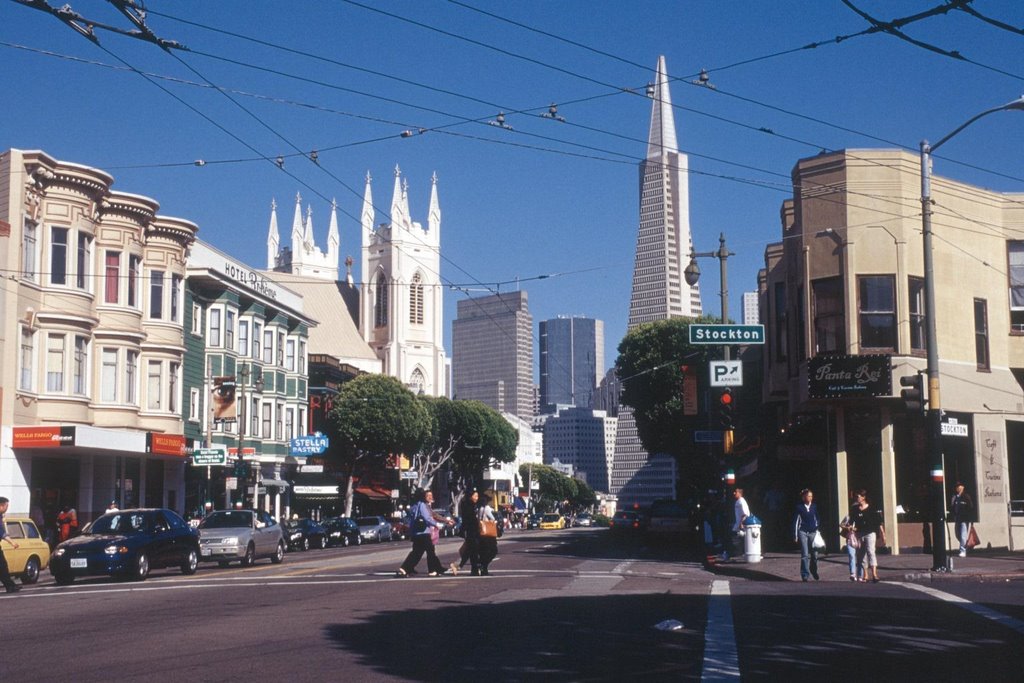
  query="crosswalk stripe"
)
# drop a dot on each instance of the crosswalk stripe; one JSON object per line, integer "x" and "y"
{"x": 721, "y": 659}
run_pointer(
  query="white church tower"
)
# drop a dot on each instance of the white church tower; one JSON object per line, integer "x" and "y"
{"x": 400, "y": 301}
{"x": 303, "y": 257}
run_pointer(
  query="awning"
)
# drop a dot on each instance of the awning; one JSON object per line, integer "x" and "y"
{"x": 373, "y": 493}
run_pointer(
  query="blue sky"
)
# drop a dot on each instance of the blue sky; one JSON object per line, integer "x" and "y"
{"x": 547, "y": 198}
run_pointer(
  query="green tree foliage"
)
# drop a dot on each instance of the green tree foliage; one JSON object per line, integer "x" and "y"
{"x": 650, "y": 363}
{"x": 373, "y": 418}
{"x": 556, "y": 488}
{"x": 465, "y": 437}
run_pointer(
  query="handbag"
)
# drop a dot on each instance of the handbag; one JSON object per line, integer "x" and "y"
{"x": 852, "y": 540}
{"x": 972, "y": 538}
{"x": 488, "y": 528}
{"x": 818, "y": 543}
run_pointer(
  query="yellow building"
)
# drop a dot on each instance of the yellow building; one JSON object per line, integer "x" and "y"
{"x": 843, "y": 292}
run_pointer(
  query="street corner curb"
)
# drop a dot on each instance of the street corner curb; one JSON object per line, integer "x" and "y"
{"x": 930, "y": 576}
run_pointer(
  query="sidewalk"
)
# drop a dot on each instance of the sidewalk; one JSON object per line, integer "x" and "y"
{"x": 984, "y": 565}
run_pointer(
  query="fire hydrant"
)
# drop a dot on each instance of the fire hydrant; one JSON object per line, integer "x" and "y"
{"x": 752, "y": 539}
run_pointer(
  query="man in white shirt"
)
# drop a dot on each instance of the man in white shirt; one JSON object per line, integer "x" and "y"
{"x": 741, "y": 512}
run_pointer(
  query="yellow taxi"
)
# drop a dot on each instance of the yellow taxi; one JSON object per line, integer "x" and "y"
{"x": 32, "y": 554}
{"x": 552, "y": 521}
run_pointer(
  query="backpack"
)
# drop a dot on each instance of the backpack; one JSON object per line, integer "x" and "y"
{"x": 417, "y": 525}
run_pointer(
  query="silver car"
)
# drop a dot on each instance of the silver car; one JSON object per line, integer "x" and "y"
{"x": 374, "y": 529}
{"x": 243, "y": 535}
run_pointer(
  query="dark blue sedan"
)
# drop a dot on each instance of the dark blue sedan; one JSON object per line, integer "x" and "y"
{"x": 127, "y": 543}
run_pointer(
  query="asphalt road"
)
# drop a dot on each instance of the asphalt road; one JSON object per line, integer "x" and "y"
{"x": 571, "y": 605}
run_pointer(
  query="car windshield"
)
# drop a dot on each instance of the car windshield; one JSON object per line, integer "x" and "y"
{"x": 119, "y": 523}
{"x": 367, "y": 521}
{"x": 551, "y": 518}
{"x": 227, "y": 519}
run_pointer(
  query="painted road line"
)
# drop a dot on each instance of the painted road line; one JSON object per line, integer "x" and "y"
{"x": 721, "y": 659}
{"x": 982, "y": 611}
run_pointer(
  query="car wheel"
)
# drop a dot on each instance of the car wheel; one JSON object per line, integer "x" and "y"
{"x": 278, "y": 557}
{"x": 305, "y": 543}
{"x": 64, "y": 579}
{"x": 250, "y": 556}
{"x": 31, "y": 574}
{"x": 323, "y": 542}
{"x": 190, "y": 563}
{"x": 141, "y": 568}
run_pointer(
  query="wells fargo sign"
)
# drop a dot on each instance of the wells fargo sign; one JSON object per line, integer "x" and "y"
{"x": 165, "y": 444}
{"x": 43, "y": 437}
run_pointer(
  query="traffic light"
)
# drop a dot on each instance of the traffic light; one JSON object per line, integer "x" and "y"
{"x": 913, "y": 395}
{"x": 725, "y": 408}
{"x": 241, "y": 468}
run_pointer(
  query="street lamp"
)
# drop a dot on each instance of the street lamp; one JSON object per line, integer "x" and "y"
{"x": 939, "y": 560}
{"x": 244, "y": 373}
{"x": 692, "y": 275}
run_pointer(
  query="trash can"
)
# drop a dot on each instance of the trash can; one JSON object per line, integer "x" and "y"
{"x": 752, "y": 539}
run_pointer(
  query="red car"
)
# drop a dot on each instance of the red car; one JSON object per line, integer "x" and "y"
{"x": 399, "y": 529}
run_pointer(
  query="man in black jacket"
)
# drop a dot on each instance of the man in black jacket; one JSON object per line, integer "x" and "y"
{"x": 961, "y": 507}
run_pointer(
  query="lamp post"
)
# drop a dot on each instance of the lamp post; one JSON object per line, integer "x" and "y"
{"x": 244, "y": 374}
{"x": 692, "y": 275}
{"x": 934, "y": 420}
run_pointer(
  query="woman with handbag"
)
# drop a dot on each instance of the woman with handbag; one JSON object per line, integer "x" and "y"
{"x": 422, "y": 527}
{"x": 488, "y": 528}
{"x": 848, "y": 531}
{"x": 870, "y": 533}
{"x": 805, "y": 532}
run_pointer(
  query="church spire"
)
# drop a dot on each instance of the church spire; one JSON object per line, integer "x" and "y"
{"x": 434, "y": 214}
{"x": 333, "y": 237}
{"x": 307, "y": 233}
{"x": 662, "y": 137}
{"x": 297, "y": 225}
{"x": 399, "y": 217}
{"x": 273, "y": 237}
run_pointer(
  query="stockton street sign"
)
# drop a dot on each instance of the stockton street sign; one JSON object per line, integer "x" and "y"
{"x": 727, "y": 334}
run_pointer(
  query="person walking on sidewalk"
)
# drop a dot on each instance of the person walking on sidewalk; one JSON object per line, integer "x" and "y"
{"x": 849, "y": 532}
{"x": 740, "y": 513}
{"x": 805, "y": 528}
{"x": 870, "y": 533}
{"x": 421, "y": 523}
{"x": 961, "y": 508}
{"x": 5, "y": 572}
{"x": 488, "y": 544}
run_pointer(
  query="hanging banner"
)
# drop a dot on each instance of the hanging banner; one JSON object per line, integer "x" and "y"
{"x": 223, "y": 399}
{"x": 689, "y": 390}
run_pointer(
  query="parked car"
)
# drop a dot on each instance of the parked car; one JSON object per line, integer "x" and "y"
{"x": 552, "y": 520}
{"x": 583, "y": 519}
{"x": 243, "y": 535}
{"x": 669, "y": 518}
{"x": 376, "y": 529}
{"x": 303, "y": 534}
{"x": 127, "y": 543}
{"x": 32, "y": 554}
{"x": 627, "y": 521}
{"x": 533, "y": 522}
{"x": 342, "y": 531}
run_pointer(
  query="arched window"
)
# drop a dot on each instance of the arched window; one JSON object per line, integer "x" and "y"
{"x": 416, "y": 300}
{"x": 380, "y": 314}
{"x": 417, "y": 382}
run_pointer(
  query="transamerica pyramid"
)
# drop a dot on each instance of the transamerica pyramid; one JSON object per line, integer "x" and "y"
{"x": 663, "y": 245}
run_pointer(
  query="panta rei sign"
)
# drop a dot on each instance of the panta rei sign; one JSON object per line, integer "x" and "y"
{"x": 849, "y": 376}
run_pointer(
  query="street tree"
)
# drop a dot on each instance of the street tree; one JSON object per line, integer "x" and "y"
{"x": 649, "y": 367}
{"x": 374, "y": 418}
{"x": 466, "y": 437}
{"x": 555, "y": 489}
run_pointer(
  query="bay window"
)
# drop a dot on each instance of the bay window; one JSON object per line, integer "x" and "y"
{"x": 58, "y": 256}
{"x": 877, "y": 303}
{"x": 112, "y": 277}
{"x": 156, "y": 294}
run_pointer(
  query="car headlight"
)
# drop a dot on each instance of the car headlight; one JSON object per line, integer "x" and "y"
{"x": 295, "y": 537}
{"x": 230, "y": 540}
{"x": 335, "y": 534}
{"x": 59, "y": 552}
{"x": 115, "y": 549}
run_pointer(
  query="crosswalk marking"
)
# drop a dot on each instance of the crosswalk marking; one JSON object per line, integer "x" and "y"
{"x": 721, "y": 659}
{"x": 980, "y": 610}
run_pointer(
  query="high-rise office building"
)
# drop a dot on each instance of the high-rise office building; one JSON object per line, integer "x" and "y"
{"x": 659, "y": 290}
{"x": 751, "y": 309}
{"x": 584, "y": 439}
{"x": 571, "y": 361}
{"x": 492, "y": 353}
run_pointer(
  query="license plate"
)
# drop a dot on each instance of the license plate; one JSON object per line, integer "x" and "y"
{"x": 207, "y": 552}
{"x": 79, "y": 563}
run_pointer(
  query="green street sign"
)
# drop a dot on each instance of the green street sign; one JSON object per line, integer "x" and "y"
{"x": 723, "y": 335}
{"x": 209, "y": 456}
